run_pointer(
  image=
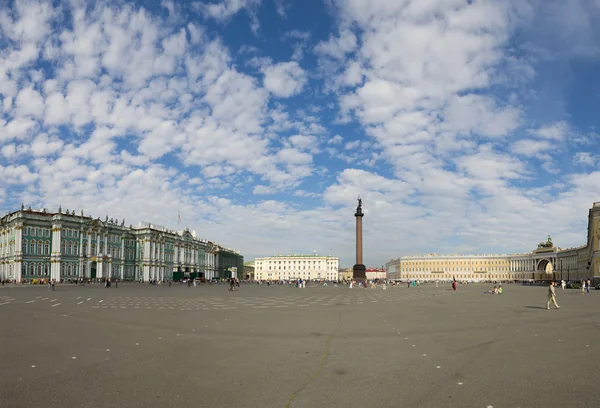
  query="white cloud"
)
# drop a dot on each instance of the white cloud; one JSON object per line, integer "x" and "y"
{"x": 556, "y": 131}
{"x": 531, "y": 148}
{"x": 45, "y": 146}
{"x": 337, "y": 139}
{"x": 225, "y": 9}
{"x": 337, "y": 47}
{"x": 304, "y": 142}
{"x": 30, "y": 103}
{"x": 284, "y": 79}
{"x": 584, "y": 159}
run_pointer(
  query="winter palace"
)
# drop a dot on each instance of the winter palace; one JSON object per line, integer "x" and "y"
{"x": 63, "y": 245}
{"x": 545, "y": 263}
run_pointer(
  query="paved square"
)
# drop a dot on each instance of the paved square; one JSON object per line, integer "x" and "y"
{"x": 277, "y": 346}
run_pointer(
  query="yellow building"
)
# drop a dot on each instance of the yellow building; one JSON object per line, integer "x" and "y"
{"x": 345, "y": 274}
{"x": 545, "y": 263}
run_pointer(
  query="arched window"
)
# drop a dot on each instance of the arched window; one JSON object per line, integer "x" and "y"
{"x": 75, "y": 251}
{"x": 46, "y": 248}
{"x": 32, "y": 248}
{"x": 75, "y": 268}
{"x": 39, "y": 268}
{"x": 39, "y": 248}
{"x": 25, "y": 247}
{"x": 63, "y": 247}
{"x": 62, "y": 269}
{"x": 69, "y": 248}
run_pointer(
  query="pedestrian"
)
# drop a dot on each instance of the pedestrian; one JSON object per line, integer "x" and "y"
{"x": 116, "y": 283}
{"x": 588, "y": 284}
{"x": 583, "y": 286}
{"x": 169, "y": 282}
{"x": 52, "y": 284}
{"x": 563, "y": 284}
{"x": 551, "y": 296}
{"x": 231, "y": 285}
{"x": 454, "y": 285}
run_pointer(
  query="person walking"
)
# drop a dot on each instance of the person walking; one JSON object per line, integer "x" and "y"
{"x": 231, "y": 284}
{"x": 551, "y": 296}
{"x": 583, "y": 286}
{"x": 588, "y": 284}
{"x": 563, "y": 284}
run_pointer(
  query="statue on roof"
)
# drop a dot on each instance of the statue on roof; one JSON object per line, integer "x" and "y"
{"x": 123, "y": 222}
{"x": 22, "y": 206}
{"x": 112, "y": 221}
{"x": 59, "y": 209}
{"x": 82, "y": 212}
{"x": 73, "y": 212}
{"x": 106, "y": 220}
{"x": 547, "y": 244}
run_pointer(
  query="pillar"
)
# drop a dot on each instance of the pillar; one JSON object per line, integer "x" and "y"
{"x": 359, "y": 271}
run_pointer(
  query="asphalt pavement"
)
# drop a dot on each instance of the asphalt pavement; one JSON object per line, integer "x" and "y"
{"x": 142, "y": 345}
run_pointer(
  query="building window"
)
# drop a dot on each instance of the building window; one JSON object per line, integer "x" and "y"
{"x": 24, "y": 247}
{"x": 39, "y": 248}
{"x": 32, "y": 248}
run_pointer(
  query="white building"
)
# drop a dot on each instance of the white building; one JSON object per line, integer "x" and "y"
{"x": 291, "y": 267}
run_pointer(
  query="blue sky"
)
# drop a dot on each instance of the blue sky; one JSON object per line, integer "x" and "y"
{"x": 465, "y": 126}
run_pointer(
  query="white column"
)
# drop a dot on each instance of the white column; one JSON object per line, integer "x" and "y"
{"x": 17, "y": 266}
{"x": 56, "y": 255}
{"x": 146, "y": 260}
{"x": 122, "y": 271}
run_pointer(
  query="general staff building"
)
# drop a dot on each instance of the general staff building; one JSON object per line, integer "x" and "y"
{"x": 544, "y": 263}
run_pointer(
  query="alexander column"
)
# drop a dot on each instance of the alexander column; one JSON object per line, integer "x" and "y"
{"x": 359, "y": 272}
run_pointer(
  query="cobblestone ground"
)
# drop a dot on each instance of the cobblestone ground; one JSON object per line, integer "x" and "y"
{"x": 277, "y": 346}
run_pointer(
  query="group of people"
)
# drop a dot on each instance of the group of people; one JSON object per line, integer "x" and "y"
{"x": 496, "y": 291}
{"x": 233, "y": 283}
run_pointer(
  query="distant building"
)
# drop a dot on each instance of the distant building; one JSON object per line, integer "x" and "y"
{"x": 292, "y": 267}
{"x": 376, "y": 273}
{"x": 36, "y": 244}
{"x": 345, "y": 274}
{"x": 547, "y": 262}
{"x": 249, "y": 270}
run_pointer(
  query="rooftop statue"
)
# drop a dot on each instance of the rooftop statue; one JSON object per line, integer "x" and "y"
{"x": 547, "y": 244}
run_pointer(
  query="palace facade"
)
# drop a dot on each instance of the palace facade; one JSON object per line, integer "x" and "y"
{"x": 292, "y": 267}
{"x": 545, "y": 263}
{"x": 63, "y": 245}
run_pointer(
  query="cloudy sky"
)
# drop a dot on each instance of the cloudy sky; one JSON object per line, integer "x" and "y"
{"x": 465, "y": 126}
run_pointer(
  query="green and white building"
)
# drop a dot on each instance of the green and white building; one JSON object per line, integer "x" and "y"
{"x": 63, "y": 245}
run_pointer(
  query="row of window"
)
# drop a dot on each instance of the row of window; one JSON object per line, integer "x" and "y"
{"x": 36, "y": 232}
{"x": 36, "y": 247}
{"x": 452, "y": 269}
{"x": 292, "y": 268}
{"x": 42, "y": 269}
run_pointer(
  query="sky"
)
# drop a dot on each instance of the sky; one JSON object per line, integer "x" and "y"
{"x": 466, "y": 127}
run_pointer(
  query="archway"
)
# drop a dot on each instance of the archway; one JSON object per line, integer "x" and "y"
{"x": 544, "y": 269}
{"x": 93, "y": 268}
